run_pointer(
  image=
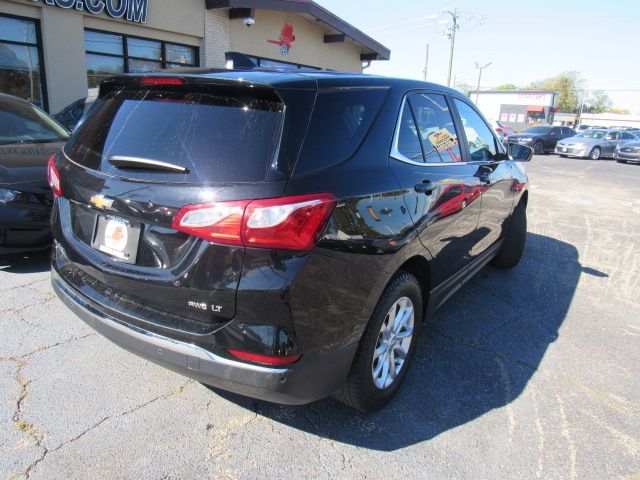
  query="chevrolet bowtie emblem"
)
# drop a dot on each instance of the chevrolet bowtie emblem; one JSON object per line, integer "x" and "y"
{"x": 100, "y": 201}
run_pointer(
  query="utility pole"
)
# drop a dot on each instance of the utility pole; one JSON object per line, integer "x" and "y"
{"x": 426, "y": 63}
{"x": 451, "y": 33}
{"x": 480, "y": 78}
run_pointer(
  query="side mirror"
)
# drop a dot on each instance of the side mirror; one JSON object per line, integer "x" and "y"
{"x": 520, "y": 153}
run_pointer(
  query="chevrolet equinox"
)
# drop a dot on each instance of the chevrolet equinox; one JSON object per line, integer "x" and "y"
{"x": 275, "y": 234}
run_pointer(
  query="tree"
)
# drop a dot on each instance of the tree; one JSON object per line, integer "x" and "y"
{"x": 507, "y": 86}
{"x": 620, "y": 111}
{"x": 569, "y": 86}
{"x": 598, "y": 102}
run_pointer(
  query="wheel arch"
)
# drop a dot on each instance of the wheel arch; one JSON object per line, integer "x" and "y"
{"x": 419, "y": 267}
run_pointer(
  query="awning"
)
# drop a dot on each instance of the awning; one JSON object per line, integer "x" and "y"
{"x": 339, "y": 29}
{"x": 535, "y": 108}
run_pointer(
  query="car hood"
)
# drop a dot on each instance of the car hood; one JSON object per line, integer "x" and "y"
{"x": 578, "y": 141}
{"x": 25, "y": 164}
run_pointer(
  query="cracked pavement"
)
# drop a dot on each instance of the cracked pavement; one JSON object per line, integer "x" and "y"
{"x": 531, "y": 373}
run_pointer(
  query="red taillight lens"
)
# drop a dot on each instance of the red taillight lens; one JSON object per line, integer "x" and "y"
{"x": 161, "y": 81}
{"x": 288, "y": 223}
{"x": 54, "y": 177}
{"x": 216, "y": 222}
{"x": 265, "y": 359}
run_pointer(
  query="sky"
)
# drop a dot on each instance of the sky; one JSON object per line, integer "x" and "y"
{"x": 524, "y": 41}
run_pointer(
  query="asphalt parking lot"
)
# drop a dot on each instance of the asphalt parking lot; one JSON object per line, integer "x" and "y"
{"x": 531, "y": 373}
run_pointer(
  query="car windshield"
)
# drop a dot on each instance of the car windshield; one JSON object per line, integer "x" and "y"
{"x": 21, "y": 122}
{"x": 538, "y": 129}
{"x": 592, "y": 134}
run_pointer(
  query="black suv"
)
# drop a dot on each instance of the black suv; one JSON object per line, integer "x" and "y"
{"x": 542, "y": 138}
{"x": 280, "y": 235}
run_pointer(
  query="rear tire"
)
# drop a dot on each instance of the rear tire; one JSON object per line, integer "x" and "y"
{"x": 622, "y": 161}
{"x": 380, "y": 347}
{"x": 513, "y": 246}
{"x": 595, "y": 153}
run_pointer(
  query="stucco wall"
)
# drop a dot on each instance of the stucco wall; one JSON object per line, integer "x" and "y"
{"x": 63, "y": 38}
{"x": 308, "y": 48}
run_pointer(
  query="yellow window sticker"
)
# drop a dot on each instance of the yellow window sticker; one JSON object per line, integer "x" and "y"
{"x": 442, "y": 140}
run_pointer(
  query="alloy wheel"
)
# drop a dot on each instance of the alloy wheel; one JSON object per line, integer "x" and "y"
{"x": 394, "y": 341}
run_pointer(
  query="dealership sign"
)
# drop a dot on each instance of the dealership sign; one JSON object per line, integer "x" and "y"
{"x": 132, "y": 10}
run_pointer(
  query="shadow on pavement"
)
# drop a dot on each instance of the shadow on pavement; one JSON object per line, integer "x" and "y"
{"x": 477, "y": 354}
{"x": 32, "y": 262}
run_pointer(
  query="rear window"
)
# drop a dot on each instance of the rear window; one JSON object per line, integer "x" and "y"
{"x": 215, "y": 137}
{"x": 339, "y": 123}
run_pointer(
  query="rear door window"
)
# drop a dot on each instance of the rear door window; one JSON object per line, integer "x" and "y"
{"x": 216, "y": 137}
{"x": 437, "y": 131}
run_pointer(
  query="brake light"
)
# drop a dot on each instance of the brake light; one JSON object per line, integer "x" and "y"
{"x": 161, "y": 81}
{"x": 288, "y": 223}
{"x": 265, "y": 359}
{"x": 53, "y": 176}
{"x": 216, "y": 222}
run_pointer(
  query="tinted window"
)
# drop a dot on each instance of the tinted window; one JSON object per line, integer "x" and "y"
{"x": 627, "y": 136}
{"x": 408, "y": 143}
{"x": 218, "y": 138}
{"x": 21, "y": 122}
{"x": 435, "y": 124}
{"x": 539, "y": 130}
{"x": 339, "y": 122}
{"x": 480, "y": 139}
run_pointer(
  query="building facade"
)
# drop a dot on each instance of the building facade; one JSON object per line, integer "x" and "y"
{"x": 53, "y": 52}
{"x": 518, "y": 108}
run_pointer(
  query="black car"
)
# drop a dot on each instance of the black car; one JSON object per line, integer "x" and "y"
{"x": 28, "y": 138}
{"x": 280, "y": 234}
{"x": 542, "y": 138}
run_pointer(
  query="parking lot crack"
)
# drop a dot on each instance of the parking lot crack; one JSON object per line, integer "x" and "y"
{"x": 19, "y": 418}
{"x": 64, "y": 342}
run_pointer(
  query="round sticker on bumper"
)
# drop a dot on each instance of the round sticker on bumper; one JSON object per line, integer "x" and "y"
{"x": 115, "y": 235}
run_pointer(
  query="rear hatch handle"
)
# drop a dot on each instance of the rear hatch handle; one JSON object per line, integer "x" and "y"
{"x": 120, "y": 161}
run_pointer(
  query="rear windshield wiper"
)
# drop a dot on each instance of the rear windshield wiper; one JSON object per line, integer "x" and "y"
{"x": 145, "y": 164}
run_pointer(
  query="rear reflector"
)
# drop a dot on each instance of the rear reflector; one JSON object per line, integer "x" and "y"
{"x": 288, "y": 223}
{"x": 161, "y": 81}
{"x": 265, "y": 359}
{"x": 54, "y": 177}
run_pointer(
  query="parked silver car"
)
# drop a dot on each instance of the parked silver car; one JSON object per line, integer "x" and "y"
{"x": 593, "y": 144}
{"x": 628, "y": 152}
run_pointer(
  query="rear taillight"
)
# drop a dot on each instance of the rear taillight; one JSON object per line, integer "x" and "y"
{"x": 288, "y": 223}
{"x": 54, "y": 177}
{"x": 161, "y": 81}
{"x": 265, "y": 359}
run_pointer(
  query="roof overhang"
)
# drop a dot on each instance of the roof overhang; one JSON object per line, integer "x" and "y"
{"x": 337, "y": 29}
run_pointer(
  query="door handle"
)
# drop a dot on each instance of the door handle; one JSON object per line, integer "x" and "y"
{"x": 426, "y": 187}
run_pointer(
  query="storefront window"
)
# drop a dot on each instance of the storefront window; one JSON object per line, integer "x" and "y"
{"x": 111, "y": 54}
{"x": 241, "y": 60}
{"x": 20, "y": 73}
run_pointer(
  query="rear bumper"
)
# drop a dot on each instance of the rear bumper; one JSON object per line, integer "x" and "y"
{"x": 299, "y": 384}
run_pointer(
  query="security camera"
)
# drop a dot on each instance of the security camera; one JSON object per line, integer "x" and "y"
{"x": 249, "y": 21}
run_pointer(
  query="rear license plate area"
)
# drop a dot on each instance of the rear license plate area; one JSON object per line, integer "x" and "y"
{"x": 117, "y": 237}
